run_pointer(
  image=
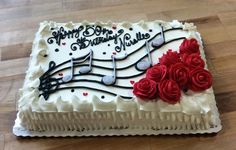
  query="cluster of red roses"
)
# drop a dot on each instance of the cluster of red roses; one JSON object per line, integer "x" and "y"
{"x": 175, "y": 72}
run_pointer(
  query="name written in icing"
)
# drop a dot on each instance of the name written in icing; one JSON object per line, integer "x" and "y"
{"x": 84, "y": 37}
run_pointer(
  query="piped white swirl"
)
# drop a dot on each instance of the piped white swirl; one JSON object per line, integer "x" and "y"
{"x": 189, "y": 26}
{"x": 35, "y": 72}
{"x": 99, "y": 105}
{"x": 81, "y": 105}
{"x": 165, "y": 107}
{"x": 63, "y": 106}
{"x": 69, "y": 25}
{"x": 46, "y": 106}
{"x": 148, "y": 105}
{"x": 125, "y": 105}
{"x": 176, "y": 24}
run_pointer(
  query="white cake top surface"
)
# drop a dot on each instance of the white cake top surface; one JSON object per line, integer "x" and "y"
{"x": 93, "y": 66}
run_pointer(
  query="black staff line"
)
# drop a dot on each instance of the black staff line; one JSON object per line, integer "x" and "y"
{"x": 80, "y": 87}
{"x": 82, "y": 57}
{"x": 94, "y": 81}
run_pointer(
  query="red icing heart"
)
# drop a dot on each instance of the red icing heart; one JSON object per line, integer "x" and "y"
{"x": 131, "y": 81}
{"x": 85, "y": 93}
{"x": 60, "y": 74}
{"x": 63, "y": 43}
{"x": 114, "y": 27}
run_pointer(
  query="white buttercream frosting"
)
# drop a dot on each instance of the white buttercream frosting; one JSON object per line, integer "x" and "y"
{"x": 151, "y": 105}
{"x": 99, "y": 105}
{"x": 193, "y": 110}
{"x": 46, "y": 106}
{"x": 176, "y": 24}
{"x": 125, "y": 105}
{"x": 81, "y": 105}
{"x": 63, "y": 105}
{"x": 166, "y": 107}
{"x": 34, "y": 84}
{"x": 44, "y": 30}
{"x": 143, "y": 24}
{"x": 41, "y": 55}
{"x": 189, "y": 26}
{"x": 35, "y": 72}
{"x": 126, "y": 25}
{"x": 69, "y": 25}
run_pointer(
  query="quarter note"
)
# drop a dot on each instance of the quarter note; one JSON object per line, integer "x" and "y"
{"x": 159, "y": 41}
{"x": 87, "y": 69}
{"x": 69, "y": 77}
{"x": 110, "y": 79}
{"x": 145, "y": 64}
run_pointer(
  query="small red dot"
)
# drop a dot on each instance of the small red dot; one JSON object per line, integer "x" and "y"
{"x": 85, "y": 93}
{"x": 131, "y": 81}
{"x": 60, "y": 74}
{"x": 114, "y": 27}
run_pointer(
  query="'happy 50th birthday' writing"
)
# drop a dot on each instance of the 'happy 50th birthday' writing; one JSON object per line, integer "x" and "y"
{"x": 84, "y": 37}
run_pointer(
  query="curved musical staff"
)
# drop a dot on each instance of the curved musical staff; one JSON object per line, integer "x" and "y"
{"x": 121, "y": 68}
{"x": 97, "y": 59}
{"x": 50, "y": 85}
{"x": 92, "y": 81}
{"x": 89, "y": 88}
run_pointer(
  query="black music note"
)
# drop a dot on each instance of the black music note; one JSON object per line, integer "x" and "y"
{"x": 69, "y": 77}
{"x": 87, "y": 69}
{"x": 159, "y": 41}
{"x": 83, "y": 70}
{"x": 145, "y": 64}
{"x": 111, "y": 79}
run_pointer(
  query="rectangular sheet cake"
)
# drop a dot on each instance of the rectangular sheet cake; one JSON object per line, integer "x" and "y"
{"x": 91, "y": 79}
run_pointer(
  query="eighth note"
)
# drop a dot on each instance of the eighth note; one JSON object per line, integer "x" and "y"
{"x": 159, "y": 41}
{"x": 87, "y": 69}
{"x": 110, "y": 79}
{"x": 144, "y": 64}
{"x": 69, "y": 77}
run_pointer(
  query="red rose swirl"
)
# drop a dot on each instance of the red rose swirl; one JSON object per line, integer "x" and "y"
{"x": 145, "y": 89}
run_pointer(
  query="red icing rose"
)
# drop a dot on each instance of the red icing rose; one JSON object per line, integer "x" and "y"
{"x": 169, "y": 58}
{"x": 145, "y": 89}
{"x": 169, "y": 91}
{"x": 200, "y": 79}
{"x": 179, "y": 73}
{"x": 189, "y": 46}
{"x": 193, "y": 60}
{"x": 157, "y": 73}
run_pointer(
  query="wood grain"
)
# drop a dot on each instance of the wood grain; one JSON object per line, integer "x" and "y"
{"x": 215, "y": 19}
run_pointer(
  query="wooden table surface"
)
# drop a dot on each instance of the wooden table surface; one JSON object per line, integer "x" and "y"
{"x": 215, "y": 19}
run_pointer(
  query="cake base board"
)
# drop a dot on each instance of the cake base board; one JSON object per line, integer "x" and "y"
{"x": 18, "y": 130}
